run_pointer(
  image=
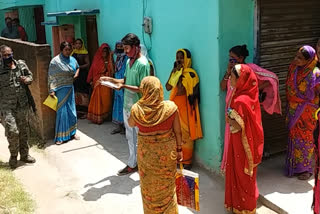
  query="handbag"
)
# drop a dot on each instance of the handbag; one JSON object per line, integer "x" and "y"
{"x": 51, "y": 102}
{"x": 187, "y": 188}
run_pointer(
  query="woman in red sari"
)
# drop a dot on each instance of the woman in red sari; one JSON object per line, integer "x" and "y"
{"x": 100, "y": 105}
{"x": 246, "y": 142}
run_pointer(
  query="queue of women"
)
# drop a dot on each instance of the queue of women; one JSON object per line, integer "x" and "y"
{"x": 165, "y": 131}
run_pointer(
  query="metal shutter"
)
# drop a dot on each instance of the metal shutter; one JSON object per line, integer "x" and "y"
{"x": 284, "y": 26}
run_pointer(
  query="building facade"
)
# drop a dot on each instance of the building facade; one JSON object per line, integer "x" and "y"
{"x": 272, "y": 31}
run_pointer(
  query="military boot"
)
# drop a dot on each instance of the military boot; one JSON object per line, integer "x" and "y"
{"x": 28, "y": 159}
{"x": 13, "y": 162}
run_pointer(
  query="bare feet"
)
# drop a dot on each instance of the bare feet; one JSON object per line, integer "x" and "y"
{"x": 76, "y": 137}
{"x": 304, "y": 176}
{"x": 59, "y": 142}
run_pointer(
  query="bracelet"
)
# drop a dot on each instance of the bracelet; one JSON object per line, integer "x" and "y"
{"x": 179, "y": 150}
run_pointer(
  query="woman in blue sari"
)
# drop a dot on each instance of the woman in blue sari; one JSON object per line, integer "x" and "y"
{"x": 63, "y": 69}
{"x": 120, "y": 68}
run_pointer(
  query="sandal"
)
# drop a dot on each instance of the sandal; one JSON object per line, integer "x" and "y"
{"x": 116, "y": 131}
{"x": 304, "y": 176}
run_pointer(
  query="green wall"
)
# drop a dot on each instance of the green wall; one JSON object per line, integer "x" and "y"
{"x": 207, "y": 28}
{"x": 26, "y": 16}
{"x": 236, "y": 28}
{"x": 177, "y": 24}
{"x": 79, "y": 23}
{"x": 52, "y": 6}
{"x": 5, "y": 4}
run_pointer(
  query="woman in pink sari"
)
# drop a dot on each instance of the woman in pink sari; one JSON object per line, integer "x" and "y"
{"x": 268, "y": 84}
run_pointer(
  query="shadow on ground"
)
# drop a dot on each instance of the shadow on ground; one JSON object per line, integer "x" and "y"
{"x": 116, "y": 184}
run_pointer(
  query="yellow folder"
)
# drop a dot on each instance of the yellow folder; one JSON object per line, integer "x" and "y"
{"x": 51, "y": 102}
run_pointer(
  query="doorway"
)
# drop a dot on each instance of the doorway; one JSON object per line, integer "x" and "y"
{"x": 282, "y": 27}
{"x": 92, "y": 36}
{"x": 40, "y": 29}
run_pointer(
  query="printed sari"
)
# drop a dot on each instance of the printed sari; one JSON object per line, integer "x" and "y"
{"x": 303, "y": 99}
{"x": 156, "y": 148}
{"x": 271, "y": 104}
{"x": 100, "y": 105}
{"x": 316, "y": 190}
{"x": 61, "y": 75}
{"x": 188, "y": 106}
{"x": 246, "y": 145}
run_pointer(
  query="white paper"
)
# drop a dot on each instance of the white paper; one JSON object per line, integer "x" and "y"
{"x": 109, "y": 84}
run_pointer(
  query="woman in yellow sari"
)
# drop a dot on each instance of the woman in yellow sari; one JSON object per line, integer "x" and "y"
{"x": 159, "y": 147}
{"x": 184, "y": 83}
{"x": 100, "y": 105}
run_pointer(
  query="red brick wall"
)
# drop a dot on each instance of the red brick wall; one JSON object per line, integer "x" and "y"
{"x": 37, "y": 58}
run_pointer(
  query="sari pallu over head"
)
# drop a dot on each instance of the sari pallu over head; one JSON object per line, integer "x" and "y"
{"x": 151, "y": 109}
{"x": 98, "y": 67}
{"x": 190, "y": 81}
{"x": 245, "y": 109}
{"x": 301, "y": 83}
{"x": 82, "y": 50}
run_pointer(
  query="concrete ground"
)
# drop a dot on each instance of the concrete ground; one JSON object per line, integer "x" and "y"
{"x": 287, "y": 195}
{"x": 80, "y": 177}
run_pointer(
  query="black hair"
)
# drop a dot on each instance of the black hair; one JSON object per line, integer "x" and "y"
{"x": 305, "y": 54}
{"x": 8, "y": 18}
{"x": 80, "y": 40}
{"x": 235, "y": 72}
{"x": 16, "y": 20}
{"x": 131, "y": 39}
{"x": 65, "y": 44}
{"x": 187, "y": 51}
{"x": 240, "y": 50}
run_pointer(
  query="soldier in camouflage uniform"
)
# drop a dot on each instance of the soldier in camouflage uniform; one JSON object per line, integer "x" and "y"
{"x": 15, "y": 77}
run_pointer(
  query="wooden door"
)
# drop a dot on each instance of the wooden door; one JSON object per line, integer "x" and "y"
{"x": 61, "y": 34}
{"x": 40, "y": 29}
{"x": 92, "y": 36}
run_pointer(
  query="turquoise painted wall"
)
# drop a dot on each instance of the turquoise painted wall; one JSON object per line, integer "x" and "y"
{"x": 2, "y": 22}
{"x": 197, "y": 30}
{"x": 206, "y": 29}
{"x": 236, "y": 28}
{"x": 26, "y": 16}
{"x": 4, "y": 4}
{"x": 63, "y": 5}
{"x": 79, "y": 25}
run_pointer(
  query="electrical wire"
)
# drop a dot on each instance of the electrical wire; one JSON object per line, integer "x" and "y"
{"x": 144, "y": 11}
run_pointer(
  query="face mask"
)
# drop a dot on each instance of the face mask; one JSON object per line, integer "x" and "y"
{"x": 7, "y": 60}
{"x": 120, "y": 51}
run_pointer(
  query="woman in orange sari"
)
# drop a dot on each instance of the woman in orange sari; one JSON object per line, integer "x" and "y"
{"x": 246, "y": 142}
{"x": 100, "y": 105}
{"x": 159, "y": 147}
{"x": 184, "y": 83}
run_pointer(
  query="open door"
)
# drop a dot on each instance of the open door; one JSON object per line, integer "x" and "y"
{"x": 92, "y": 36}
{"x": 40, "y": 29}
{"x": 61, "y": 34}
